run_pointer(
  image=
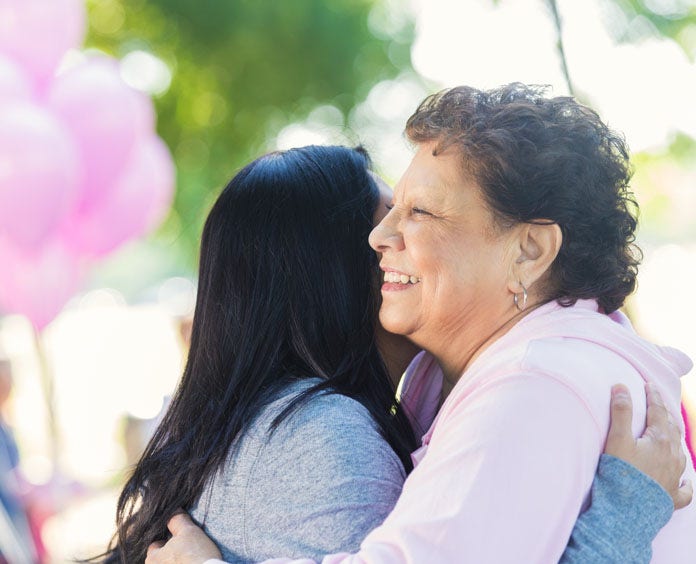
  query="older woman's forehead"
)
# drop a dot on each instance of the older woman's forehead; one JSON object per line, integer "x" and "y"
{"x": 385, "y": 191}
{"x": 428, "y": 172}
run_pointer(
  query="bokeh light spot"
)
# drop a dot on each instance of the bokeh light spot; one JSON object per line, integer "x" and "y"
{"x": 145, "y": 72}
{"x": 107, "y": 16}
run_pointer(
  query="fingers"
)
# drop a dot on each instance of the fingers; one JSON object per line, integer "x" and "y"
{"x": 153, "y": 549}
{"x": 682, "y": 461}
{"x": 658, "y": 415}
{"x": 179, "y": 522}
{"x": 621, "y": 419}
{"x": 684, "y": 495}
{"x": 658, "y": 451}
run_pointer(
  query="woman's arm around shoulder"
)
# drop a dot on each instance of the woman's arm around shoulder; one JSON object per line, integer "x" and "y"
{"x": 636, "y": 488}
{"x": 593, "y": 540}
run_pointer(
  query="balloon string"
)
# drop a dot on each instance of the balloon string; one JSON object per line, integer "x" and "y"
{"x": 48, "y": 388}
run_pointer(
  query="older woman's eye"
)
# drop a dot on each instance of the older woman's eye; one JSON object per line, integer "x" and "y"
{"x": 420, "y": 211}
{"x": 389, "y": 206}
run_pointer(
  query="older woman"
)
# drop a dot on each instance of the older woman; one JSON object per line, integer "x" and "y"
{"x": 514, "y": 226}
{"x": 506, "y": 254}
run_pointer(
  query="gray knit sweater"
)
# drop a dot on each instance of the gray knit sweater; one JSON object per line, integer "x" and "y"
{"x": 317, "y": 485}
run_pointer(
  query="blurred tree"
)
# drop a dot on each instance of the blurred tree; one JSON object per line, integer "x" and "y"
{"x": 635, "y": 20}
{"x": 664, "y": 180}
{"x": 240, "y": 71}
{"x": 243, "y": 69}
{"x": 675, "y": 19}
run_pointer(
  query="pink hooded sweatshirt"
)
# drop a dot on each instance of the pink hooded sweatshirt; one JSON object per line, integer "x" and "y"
{"x": 507, "y": 464}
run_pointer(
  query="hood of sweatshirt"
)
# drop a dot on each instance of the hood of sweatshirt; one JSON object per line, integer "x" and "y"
{"x": 661, "y": 365}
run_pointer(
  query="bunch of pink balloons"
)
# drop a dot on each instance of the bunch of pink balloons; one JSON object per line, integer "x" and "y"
{"x": 82, "y": 169}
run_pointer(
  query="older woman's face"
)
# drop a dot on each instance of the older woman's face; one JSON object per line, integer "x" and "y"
{"x": 446, "y": 265}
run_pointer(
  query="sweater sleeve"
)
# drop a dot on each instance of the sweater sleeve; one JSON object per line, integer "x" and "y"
{"x": 628, "y": 510}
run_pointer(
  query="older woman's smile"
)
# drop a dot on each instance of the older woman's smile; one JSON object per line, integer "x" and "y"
{"x": 399, "y": 279}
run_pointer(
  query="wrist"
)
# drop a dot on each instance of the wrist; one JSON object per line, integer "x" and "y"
{"x": 622, "y": 492}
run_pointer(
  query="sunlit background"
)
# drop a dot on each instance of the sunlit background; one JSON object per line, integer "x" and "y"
{"x": 231, "y": 80}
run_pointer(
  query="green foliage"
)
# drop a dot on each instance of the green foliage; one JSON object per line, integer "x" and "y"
{"x": 664, "y": 182}
{"x": 675, "y": 19}
{"x": 664, "y": 179}
{"x": 241, "y": 70}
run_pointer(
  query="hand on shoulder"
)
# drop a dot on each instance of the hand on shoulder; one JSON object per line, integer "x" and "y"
{"x": 658, "y": 452}
{"x": 188, "y": 545}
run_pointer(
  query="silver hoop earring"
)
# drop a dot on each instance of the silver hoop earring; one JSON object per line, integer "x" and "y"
{"x": 516, "y": 300}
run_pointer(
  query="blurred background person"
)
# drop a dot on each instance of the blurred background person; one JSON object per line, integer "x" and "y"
{"x": 16, "y": 539}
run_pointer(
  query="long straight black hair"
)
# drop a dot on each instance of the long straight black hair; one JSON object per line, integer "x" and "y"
{"x": 287, "y": 290}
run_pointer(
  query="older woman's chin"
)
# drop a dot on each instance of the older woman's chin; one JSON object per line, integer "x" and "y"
{"x": 396, "y": 321}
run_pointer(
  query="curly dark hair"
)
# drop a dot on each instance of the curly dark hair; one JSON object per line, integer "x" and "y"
{"x": 539, "y": 159}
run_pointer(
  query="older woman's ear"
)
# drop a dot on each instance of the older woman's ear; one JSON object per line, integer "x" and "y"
{"x": 538, "y": 246}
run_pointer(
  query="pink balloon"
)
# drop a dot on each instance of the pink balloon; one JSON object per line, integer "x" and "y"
{"x": 163, "y": 186}
{"x": 37, "y": 33}
{"x": 14, "y": 84}
{"x": 39, "y": 173}
{"x": 138, "y": 202}
{"x": 106, "y": 118}
{"x": 38, "y": 285}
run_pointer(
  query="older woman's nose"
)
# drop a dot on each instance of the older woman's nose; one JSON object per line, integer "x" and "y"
{"x": 385, "y": 236}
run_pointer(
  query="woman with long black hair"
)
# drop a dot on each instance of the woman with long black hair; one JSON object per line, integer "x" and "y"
{"x": 284, "y": 436}
{"x": 283, "y": 337}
